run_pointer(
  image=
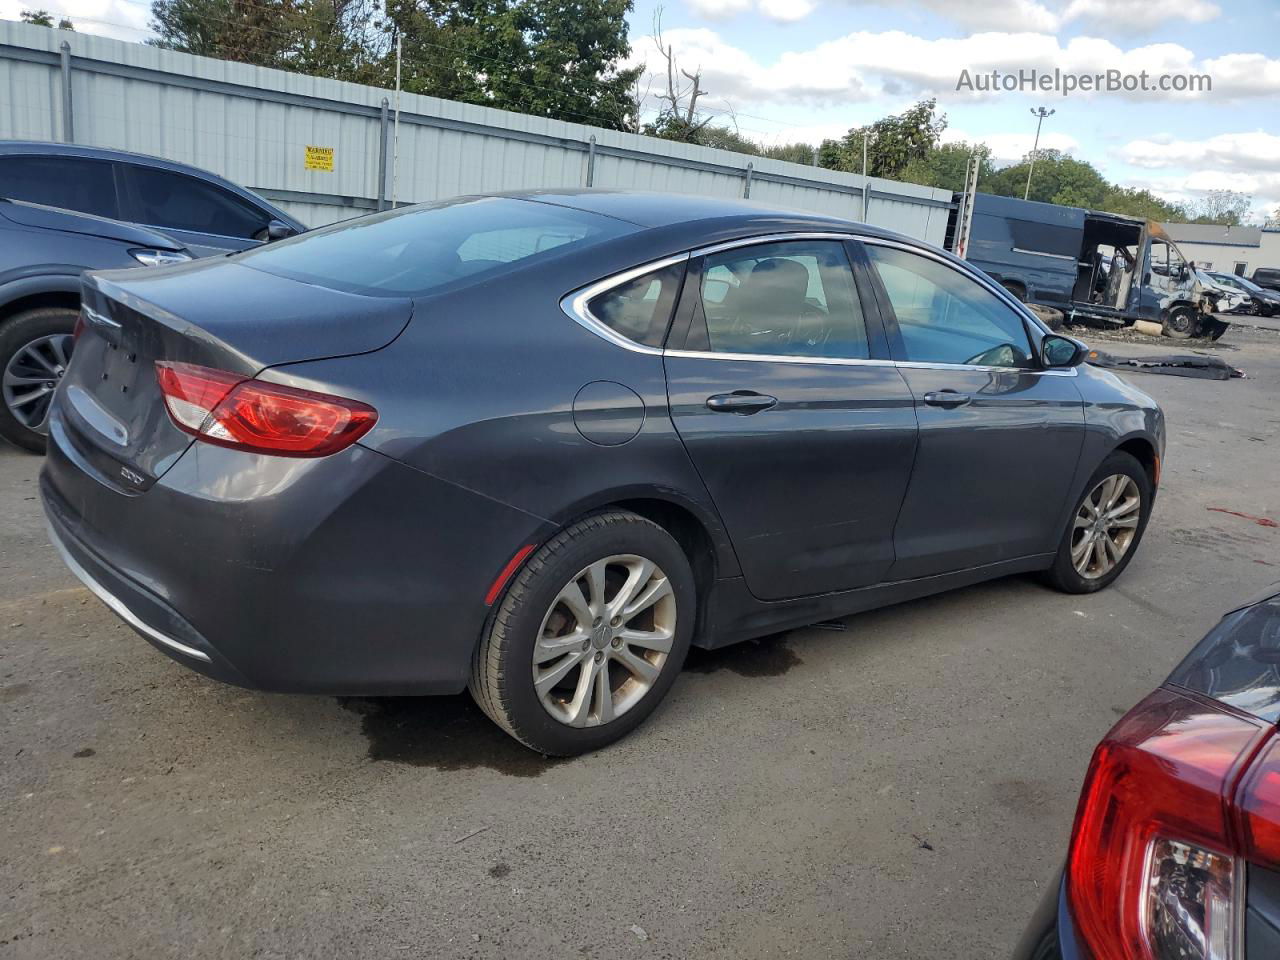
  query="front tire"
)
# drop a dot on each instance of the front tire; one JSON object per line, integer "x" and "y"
{"x": 1182, "y": 323}
{"x": 1105, "y": 527}
{"x": 35, "y": 347}
{"x": 589, "y": 636}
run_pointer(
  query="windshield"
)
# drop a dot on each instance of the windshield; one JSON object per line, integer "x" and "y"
{"x": 426, "y": 249}
{"x": 1242, "y": 282}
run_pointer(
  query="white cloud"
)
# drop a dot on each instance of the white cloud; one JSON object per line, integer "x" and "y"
{"x": 1138, "y": 15}
{"x": 897, "y": 64}
{"x": 786, "y": 11}
{"x": 1249, "y": 152}
{"x": 719, "y": 9}
{"x": 1049, "y": 16}
{"x": 782, "y": 11}
{"x": 108, "y": 18}
{"x": 1245, "y": 162}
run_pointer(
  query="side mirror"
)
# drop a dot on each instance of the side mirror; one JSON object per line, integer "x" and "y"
{"x": 1059, "y": 351}
{"x": 279, "y": 230}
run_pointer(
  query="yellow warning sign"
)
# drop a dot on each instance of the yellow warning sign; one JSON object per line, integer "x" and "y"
{"x": 319, "y": 158}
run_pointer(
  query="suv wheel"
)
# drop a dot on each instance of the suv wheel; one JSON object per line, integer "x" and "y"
{"x": 35, "y": 348}
{"x": 589, "y": 637}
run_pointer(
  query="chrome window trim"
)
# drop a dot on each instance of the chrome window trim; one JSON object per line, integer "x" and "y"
{"x": 769, "y": 238}
{"x": 780, "y": 358}
{"x": 117, "y": 605}
{"x": 575, "y": 304}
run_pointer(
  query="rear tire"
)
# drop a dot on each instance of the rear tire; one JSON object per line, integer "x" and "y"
{"x": 1015, "y": 290}
{"x": 1087, "y": 559}
{"x": 1182, "y": 323}
{"x": 564, "y": 682}
{"x": 34, "y": 346}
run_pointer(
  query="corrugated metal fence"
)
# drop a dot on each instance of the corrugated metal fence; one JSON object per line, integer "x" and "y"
{"x": 262, "y": 127}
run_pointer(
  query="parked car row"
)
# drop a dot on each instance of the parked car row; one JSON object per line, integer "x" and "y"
{"x": 66, "y": 209}
{"x": 1259, "y": 301}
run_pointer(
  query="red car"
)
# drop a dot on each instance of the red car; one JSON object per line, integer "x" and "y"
{"x": 1175, "y": 854}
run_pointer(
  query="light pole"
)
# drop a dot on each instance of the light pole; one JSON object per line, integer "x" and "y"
{"x": 866, "y": 132}
{"x": 1040, "y": 113}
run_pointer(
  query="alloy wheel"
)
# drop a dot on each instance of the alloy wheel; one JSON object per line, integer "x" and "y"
{"x": 1105, "y": 526}
{"x": 31, "y": 376}
{"x": 604, "y": 641}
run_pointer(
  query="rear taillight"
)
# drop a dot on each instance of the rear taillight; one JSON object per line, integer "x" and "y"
{"x": 245, "y": 414}
{"x": 1259, "y": 804}
{"x": 1155, "y": 870}
{"x": 79, "y": 328}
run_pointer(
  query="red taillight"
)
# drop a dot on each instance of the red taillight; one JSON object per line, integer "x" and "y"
{"x": 245, "y": 414}
{"x": 79, "y": 328}
{"x": 1259, "y": 806}
{"x": 1153, "y": 869}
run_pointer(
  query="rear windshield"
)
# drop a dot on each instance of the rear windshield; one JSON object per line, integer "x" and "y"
{"x": 424, "y": 249}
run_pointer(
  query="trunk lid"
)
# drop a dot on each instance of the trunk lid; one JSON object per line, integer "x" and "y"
{"x": 110, "y": 409}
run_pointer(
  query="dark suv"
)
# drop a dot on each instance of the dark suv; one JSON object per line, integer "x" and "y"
{"x": 115, "y": 209}
{"x": 1268, "y": 277}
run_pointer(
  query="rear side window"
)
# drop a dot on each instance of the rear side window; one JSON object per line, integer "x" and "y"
{"x": 425, "y": 249}
{"x": 73, "y": 183}
{"x": 640, "y": 309}
{"x": 174, "y": 201}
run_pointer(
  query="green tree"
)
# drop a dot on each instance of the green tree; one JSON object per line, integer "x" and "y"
{"x": 726, "y": 139}
{"x": 791, "y": 152}
{"x": 43, "y": 18}
{"x": 330, "y": 38}
{"x": 545, "y": 57}
{"x": 1226, "y": 207}
{"x": 1057, "y": 178}
{"x": 1141, "y": 203}
{"x": 893, "y": 142}
{"x": 944, "y": 166}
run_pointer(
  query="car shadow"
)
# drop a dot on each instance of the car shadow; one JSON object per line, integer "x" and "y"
{"x": 452, "y": 733}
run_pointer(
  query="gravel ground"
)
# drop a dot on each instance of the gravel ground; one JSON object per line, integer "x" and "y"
{"x": 899, "y": 789}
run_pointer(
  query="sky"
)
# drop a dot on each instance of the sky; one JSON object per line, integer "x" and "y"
{"x": 807, "y": 69}
{"x": 802, "y": 70}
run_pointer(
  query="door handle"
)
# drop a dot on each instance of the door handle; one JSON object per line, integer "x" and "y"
{"x": 947, "y": 399}
{"x": 742, "y": 402}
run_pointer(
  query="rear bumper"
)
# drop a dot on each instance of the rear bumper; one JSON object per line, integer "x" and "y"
{"x": 351, "y": 574}
{"x": 146, "y": 613}
{"x": 1051, "y": 935}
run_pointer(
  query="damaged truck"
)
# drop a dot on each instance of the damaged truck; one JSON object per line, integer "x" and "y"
{"x": 1099, "y": 269}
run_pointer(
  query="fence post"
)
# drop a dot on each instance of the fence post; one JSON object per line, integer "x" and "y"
{"x": 68, "y": 128}
{"x": 382, "y": 157}
{"x": 746, "y": 186}
{"x": 591, "y": 161}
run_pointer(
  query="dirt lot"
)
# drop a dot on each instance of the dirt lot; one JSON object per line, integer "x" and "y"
{"x": 900, "y": 789}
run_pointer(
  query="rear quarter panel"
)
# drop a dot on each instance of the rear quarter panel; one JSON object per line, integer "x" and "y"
{"x": 480, "y": 389}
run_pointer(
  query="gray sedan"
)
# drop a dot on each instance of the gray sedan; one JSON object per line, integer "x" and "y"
{"x": 536, "y": 445}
